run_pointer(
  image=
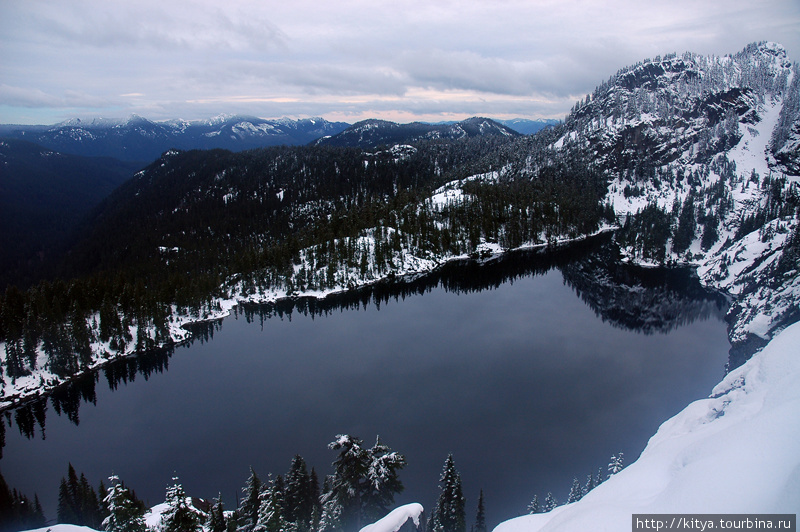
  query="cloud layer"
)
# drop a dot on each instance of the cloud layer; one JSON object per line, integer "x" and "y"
{"x": 349, "y": 59}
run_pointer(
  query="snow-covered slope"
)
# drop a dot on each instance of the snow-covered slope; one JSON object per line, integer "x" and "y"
{"x": 737, "y": 451}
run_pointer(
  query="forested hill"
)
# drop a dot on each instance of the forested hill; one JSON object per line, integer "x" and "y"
{"x": 377, "y": 133}
{"x": 698, "y": 154}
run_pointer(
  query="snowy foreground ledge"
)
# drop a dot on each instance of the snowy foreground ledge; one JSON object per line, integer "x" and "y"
{"x": 395, "y": 519}
{"x": 738, "y": 451}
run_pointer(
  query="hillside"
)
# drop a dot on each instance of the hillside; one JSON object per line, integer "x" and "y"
{"x": 44, "y": 194}
{"x": 377, "y": 133}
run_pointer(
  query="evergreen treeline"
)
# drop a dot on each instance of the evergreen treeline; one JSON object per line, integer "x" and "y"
{"x": 577, "y": 490}
{"x": 359, "y": 491}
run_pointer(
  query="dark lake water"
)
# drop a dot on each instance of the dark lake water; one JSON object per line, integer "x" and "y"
{"x": 531, "y": 370}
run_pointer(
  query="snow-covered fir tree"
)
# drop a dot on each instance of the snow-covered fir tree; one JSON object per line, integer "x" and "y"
{"x": 179, "y": 515}
{"x": 575, "y": 492}
{"x": 342, "y": 501}
{"x": 124, "y": 515}
{"x": 270, "y": 511}
{"x": 534, "y": 507}
{"x": 382, "y": 482}
{"x": 590, "y": 484}
{"x": 616, "y": 464}
{"x": 216, "y": 516}
{"x": 364, "y": 482}
{"x": 550, "y": 502}
{"x": 247, "y": 513}
{"x": 448, "y": 514}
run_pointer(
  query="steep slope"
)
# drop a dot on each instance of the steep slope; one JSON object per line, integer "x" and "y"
{"x": 139, "y": 139}
{"x": 44, "y": 195}
{"x": 375, "y": 133}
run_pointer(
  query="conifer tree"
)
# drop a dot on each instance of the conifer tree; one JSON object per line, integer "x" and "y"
{"x": 314, "y": 496}
{"x": 576, "y": 492}
{"x": 216, "y": 517}
{"x": 270, "y": 512}
{"x": 382, "y": 480}
{"x": 124, "y": 515}
{"x": 480, "y": 517}
{"x": 534, "y": 507}
{"x": 590, "y": 484}
{"x": 616, "y": 464}
{"x": 350, "y": 468}
{"x": 179, "y": 516}
{"x": 550, "y": 502}
{"x": 448, "y": 514}
{"x": 66, "y": 513}
{"x": 247, "y": 513}
{"x": 78, "y": 503}
{"x": 363, "y": 484}
{"x": 299, "y": 495}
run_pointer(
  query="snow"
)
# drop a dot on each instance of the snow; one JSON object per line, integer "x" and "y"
{"x": 748, "y": 154}
{"x": 452, "y": 192}
{"x": 153, "y": 516}
{"x": 396, "y": 519}
{"x": 737, "y": 451}
{"x": 64, "y": 528}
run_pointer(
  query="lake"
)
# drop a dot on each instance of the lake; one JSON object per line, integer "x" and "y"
{"x": 531, "y": 369}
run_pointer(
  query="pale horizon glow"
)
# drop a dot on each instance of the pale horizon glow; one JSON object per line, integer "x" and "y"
{"x": 349, "y": 60}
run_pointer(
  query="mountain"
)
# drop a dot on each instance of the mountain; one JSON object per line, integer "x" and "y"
{"x": 374, "y": 133}
{"x": 44, "y": 194}
{"x": 139, "y": 139}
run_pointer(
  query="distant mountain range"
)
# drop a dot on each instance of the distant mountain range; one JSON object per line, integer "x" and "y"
{"x": 143, "y": 140}
{"x": 140, "y": 139}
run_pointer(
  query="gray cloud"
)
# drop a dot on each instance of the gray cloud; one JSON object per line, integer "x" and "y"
{"x": 351, "y": 58}
{"x": 25, "y": 97}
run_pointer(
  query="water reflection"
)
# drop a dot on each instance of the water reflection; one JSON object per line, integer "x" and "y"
{"x": 646, "y": 300}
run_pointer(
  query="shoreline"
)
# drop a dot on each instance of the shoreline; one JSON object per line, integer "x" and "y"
{"x": 180, "y": 324}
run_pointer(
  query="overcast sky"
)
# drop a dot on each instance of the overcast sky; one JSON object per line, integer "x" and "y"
{"x": 402, "y": 60}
